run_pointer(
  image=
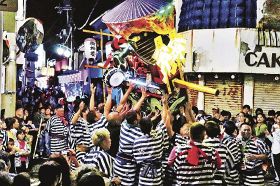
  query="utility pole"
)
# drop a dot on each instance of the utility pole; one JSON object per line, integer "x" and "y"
{"x": 1, "y": 56}
{"x": 68, "y": 40}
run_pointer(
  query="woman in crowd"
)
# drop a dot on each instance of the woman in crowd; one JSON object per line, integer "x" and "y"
{"x": 240, "y": 119}
{"x": 260, "y": 126}
{"x": 12, "y": 127}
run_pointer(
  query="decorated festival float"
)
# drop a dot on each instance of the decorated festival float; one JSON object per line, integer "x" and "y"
{"x": 147, "y": 51}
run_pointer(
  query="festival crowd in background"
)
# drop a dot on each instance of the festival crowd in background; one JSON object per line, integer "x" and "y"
{"x": 89, "y": 143}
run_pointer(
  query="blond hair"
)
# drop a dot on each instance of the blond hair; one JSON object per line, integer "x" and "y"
{"x": 99, "y": 135}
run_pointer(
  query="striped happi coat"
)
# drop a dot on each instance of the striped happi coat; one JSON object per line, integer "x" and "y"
{"x": 82, "y": 131}
{"x": 125, "y": 164}
{"x": 81, "y": 135}
{"x": 166, "y": 145}
{"x": 233, "y": 146}
{"x": 4, "y": 139}
{"x": 226, "y": 159}
{"x": 253, "y": 174}
{"x": 55, "y": 127}
{"x": 99, "y": 159}
{"x": 101, "y": 123}
{"x": 202, "y": 174}
{"x": 147, "y": 151}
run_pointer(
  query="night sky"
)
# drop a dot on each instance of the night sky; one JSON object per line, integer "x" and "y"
{"x": 45, "y": 11}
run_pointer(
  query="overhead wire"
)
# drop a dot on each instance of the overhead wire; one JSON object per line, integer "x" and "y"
{"x": 93, "y": 8}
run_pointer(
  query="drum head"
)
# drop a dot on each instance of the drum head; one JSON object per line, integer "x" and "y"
{"x": 116, "y": 79}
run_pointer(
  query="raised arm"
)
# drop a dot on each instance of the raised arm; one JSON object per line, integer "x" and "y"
{"x": 168, "y": 124}
{"x": 137, "y": 106}
{"x": 164, "y": 107}
{"x": 125, "y": 97}
{"x": 108, "y": 104}
{"x": 78, "y": 113}
{"x": 188, "y": 113}
{"x": 92, "y": 97}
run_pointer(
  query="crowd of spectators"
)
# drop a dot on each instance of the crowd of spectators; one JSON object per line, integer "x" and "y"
{"x": 52, "y": 142}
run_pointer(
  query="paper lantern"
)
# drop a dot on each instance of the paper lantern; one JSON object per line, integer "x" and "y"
{"x": 90, "y": 48}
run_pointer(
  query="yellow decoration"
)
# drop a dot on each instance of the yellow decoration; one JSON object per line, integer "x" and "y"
{"x": 193, "y": 86}
{"x": 163, "y": 57}
{"x": 170, "y": 58}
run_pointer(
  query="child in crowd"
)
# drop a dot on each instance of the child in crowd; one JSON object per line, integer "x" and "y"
{"x": 21, "y": 156}
{"x": 11, "y": 150}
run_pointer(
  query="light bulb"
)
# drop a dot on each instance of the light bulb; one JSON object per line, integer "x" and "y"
{"x": 60, "y": 51}
{"x": 67, "y": 53}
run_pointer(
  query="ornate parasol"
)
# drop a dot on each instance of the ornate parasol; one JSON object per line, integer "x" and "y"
{"x": 133, "y": 9}
{"x": 135, "y": 16}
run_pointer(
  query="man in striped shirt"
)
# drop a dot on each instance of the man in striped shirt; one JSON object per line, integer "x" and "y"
{"x": 125, "y": 164}
{"x": 230, "y": 131}
{"x": 147, "y": 151}
{"x": 213, "y": 141}
{"x": 254, "y": 152}
{"x": 3, "y": 138}
{"x": 58, "y": 130}
{"x": 194, "y": 163}
{"x": 80, "y": 131}
{"x": 97, "y": 156}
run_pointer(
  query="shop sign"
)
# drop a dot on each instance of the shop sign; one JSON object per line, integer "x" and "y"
{"x": 253, "y": 59}
{"x": 233, "y": 50}
{"x": 267, "y": 61}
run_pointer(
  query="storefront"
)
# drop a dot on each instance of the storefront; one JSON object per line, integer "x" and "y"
{"x": 266, "y": 92}
{"x": 231, "y": 93}
{"x": 244, "y": 64}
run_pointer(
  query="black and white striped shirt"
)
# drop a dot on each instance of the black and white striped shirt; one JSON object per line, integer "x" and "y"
{"x": 147, "y": 151}
{"x": 202, "y": 174}
{"x": 177, "y": 139}
{"x": 101, "y": 123}
{"x": 4, "y": 139}
{"x": 126, "y": 169}
{"x": 226, "y": 160}
{"x": 59, "y": 134}
{"x": 253, "y": 146}
{"x": 165, "y": 145}
{"x": 233, "y": 146}
{"x": 81, "y": 132}
{"x": 100, "y": 159}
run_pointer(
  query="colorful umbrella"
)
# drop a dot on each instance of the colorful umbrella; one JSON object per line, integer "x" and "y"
{"x": 133, "y": 9}
{"x": 135, "y": 16}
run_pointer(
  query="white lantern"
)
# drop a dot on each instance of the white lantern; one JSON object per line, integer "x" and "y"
{"x": 90, "y": 48}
